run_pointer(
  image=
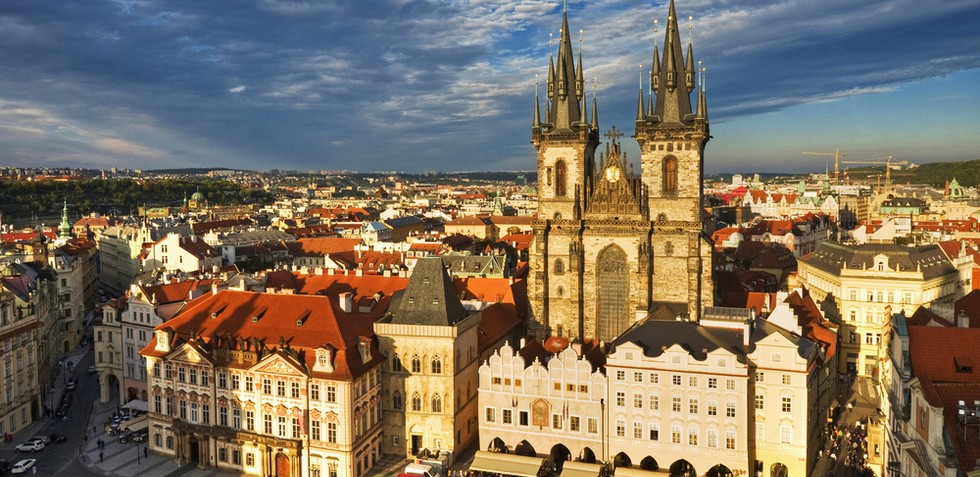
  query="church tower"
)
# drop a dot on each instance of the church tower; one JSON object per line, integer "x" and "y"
{"x": 672, "y": 136}
{"x": 612, "y": 246}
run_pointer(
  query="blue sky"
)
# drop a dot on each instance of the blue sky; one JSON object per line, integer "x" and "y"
{"x": 401, "y": 85}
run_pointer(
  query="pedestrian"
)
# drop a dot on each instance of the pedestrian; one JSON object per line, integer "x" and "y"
{"x": 101, "y": 456}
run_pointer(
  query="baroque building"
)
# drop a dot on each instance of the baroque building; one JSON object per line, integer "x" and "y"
{"x": 611, "y": 244}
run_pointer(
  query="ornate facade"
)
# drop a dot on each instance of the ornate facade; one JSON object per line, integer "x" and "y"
{"x": 611, "y": 244}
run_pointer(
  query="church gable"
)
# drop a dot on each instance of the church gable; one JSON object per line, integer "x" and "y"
{"x": 617, "y": 191}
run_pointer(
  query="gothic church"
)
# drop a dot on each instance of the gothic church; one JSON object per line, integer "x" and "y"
{"x": 611, "y": 246}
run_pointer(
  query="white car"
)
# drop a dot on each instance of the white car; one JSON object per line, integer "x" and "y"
{"x": 32, "y": 445}
{"x": 22, "y": 466}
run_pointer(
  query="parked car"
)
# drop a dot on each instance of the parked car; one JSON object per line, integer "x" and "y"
{"x": 22, "y": 466}
{"x": 58, "y": 437}
{"x": 72, "y": 384}
{"x": 30, "y": 446}
{"x": 92, "y": 370}
{"x": 44, "y": 439}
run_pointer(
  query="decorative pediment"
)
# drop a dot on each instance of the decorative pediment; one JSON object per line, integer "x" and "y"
{"x": 331, "y": 416}
{"x": 616, "y": 191}
{"x": 276, "y": 364}
{"x": 188, "y": 353}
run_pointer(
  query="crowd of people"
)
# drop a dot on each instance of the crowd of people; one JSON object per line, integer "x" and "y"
{"x": 848, "y": 446}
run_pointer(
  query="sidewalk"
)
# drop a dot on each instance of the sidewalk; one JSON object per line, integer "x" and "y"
{"x": 129, "y": 460}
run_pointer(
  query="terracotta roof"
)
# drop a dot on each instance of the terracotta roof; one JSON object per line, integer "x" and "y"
{"x": 303, "y": 322}
{"x": 970, "y": 306}
{"x": 176, "y": 291}
{"x": 318, "y": 247}
{"x": 469, "y": 221}
{"x": 926, "y": 317}
{"x": 197, "y": 247}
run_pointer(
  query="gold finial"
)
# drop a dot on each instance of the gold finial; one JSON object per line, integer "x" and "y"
{"x": 655, "y": 30}
{"x": 690, "y": 29}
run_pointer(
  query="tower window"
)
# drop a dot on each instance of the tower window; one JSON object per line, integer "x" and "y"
{"x": 560, "y": 179}
{"x": 559, "y": 266}
{"x": 670, "y": 174}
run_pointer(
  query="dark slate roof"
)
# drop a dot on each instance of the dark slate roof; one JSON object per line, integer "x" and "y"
{"x": 407, "y": 221}
{"x": 430, "y": 298}
{"x": 929, "y": 259}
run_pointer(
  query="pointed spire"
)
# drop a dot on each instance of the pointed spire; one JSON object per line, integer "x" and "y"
{"x": 565, "y": 107}
{"x": 579, "y": 77}
{"x": 702, "y": 94}
{"x": 537, "y": 109}
{"x": 639, "y": 107}
{"x": 595, "y": 106}
{"x": 689, "y": 67}
{"x": 673, "y": 104}
{"x": 655, "y": 71}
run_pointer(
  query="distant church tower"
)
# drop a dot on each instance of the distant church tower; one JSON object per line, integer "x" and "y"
{"x": 611, "y": 246}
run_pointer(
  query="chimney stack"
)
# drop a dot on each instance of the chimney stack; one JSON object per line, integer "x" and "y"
{"x": 347, "y": 302}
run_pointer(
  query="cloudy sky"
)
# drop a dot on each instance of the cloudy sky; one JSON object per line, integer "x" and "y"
{"x": 405, "y": 85}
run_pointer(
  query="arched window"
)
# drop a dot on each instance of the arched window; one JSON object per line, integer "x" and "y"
{"x": 670, "y": 174}
{"x": 436, "y": 365}
{"x": 416, "y": 364}
{"x": 396, "y": 364}
{"x": 559, "y": 266}
{"x": 560, "y": 178}
{"x": 436, "y": 403}
{"x": 416, "y": 402}
{"x": 396, "y": 400}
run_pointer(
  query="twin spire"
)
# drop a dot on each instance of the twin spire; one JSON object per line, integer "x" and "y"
{"x": 673, "y": 77}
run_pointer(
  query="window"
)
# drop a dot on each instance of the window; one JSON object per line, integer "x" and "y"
{"x": 620, "y": 375}
{"x": 620, "y": 428}
{"x": 416, "y": 364}
{"x": 560, "y": 179}
{"x": 654, "y": 432}
{"x": 222, "y": 380}
{"x": 654, "y": 378}
{"x": 205, "y": 378}
{"x": 692, "y": 406}
{"x": 315, "y": 392}
{"x": 777, "y": 358}
{"x": 396, "y": 400}
{"x": 267, "y": 423}
{"x": 559, "y": 269}
{"x": 522, "y": 418}
{"x": 730, "y": 409}
{"x": 556, "y": 421}
{"x": 235, "y": 381}
{"x": 223, "y": 416}
{"x": 620, "y": 398}
{"x": 236, "y": 419}
{"x": 785, "y": 435}
{"x": 331, "y": 432}
{"x": 730, "y": 384}
{"x": 593, "y": 425}
{"x": 760, "y": 377}
{"x": 280, "y": 388}
{"x": 437, "y": 407}
{"x": 315, "y": 430}
{"x": 675, "y": 404}
{"x": 491, "y": 414}
{"x": 281, "y": 420}
{"x": 157, "y": 404}
{"x": 637, "y": 430}
{"x": 787, "y": 404}
{"x": 638, "y": 401}
{"x": 712, "y": 438}
{"x": 760, "y": 401}
{"x": 295, "y": 427}
{"x": 181, "y": 374}
{"x": 787, "y": 379}
{"x": 730, "y": 440}
{"x": 436, "y": 365}
{"x": 675, "y": 434}
{"x": 676, "y": 379}
{"x": 712, "y": 383}
{"x": 655, "y": 403}
{"x": 692, "y": 436}
{"x": 331, "y": 393}
{"x": 574, "y": 424}
{"x": 249, "y": 384}
{"x": 416, "y": 402}
{"x": 670, "y": 174}
{"x": 712, "y": 408}
{"x": 182, "y": 405}
{"x": 693, "y": 381}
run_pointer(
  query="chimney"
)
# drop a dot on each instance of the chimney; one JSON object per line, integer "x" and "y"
{"x": 214, "y": 288}
{"x": 747, "y": 334}
{"x": 523, "y": 342}
{"x": 346, "y": 302}
{"x": 962, "y": 321}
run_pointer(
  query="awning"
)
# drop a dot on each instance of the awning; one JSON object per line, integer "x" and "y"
{"x": 136, "y": 424}
{"x": 507, "y": 464}
{"x": 136, "y": 405}
{"x": 628, "y": 472}
{"x": 580, "y": 469}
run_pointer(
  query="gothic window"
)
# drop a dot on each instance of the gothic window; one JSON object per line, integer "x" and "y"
{"x": 396, "y": 400}
{"x": 613, "y": 293}
{"x": 559, "y": 266}
{"x": 416, "y": 364}
{"x": 662, "y": 218}
{"x": 560, "y": 178}
{"x": 670, "y": 174}
{"x": 436, "y": 403}
{"x": 416, "y": 402}
{"x": 669, "y": 248}
{"x": 436, "y": 365}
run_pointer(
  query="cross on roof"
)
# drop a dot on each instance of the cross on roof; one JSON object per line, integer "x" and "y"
{"x": 613, "y": 134}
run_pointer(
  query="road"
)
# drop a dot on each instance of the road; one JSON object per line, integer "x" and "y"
{"x": 63, "y": 459}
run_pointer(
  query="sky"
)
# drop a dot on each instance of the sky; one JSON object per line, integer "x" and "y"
{"x": 403, "y": 85}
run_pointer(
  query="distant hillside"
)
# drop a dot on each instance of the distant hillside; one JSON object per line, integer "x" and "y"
{"x": 967, "y": 173}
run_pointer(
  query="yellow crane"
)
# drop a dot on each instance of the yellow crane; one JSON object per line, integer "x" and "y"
{"x": 837, "y": 155}
{"x": 888, "y": 162}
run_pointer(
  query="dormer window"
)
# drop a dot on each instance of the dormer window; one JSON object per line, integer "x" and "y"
{"x": 324, "y": 360}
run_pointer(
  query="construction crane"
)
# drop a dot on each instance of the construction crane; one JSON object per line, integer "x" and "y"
{"x": 888, "y": 166}
{"x": 837, "y": 155}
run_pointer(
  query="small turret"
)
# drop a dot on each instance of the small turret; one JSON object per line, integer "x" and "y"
{"x": 689, "y": 67}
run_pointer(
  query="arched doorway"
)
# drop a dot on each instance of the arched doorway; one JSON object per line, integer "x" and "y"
{"x": 587, "y": 456}
{"x": 525, "y": 449}
{"x": 193, "y": 449}
{"x": 622, "y": 460}
{"x": 720, "y": 470}
{"x": 649, "y": 463}
{"x": 143, "y": 396}
{"x": 497, "y": 445}
{"x": 682, "y": 468}
{"x": 558, "y": 455}
{"x": 612, "y": 294}
{"x": 282, "y": 465}
{"x": 778, "y": 470}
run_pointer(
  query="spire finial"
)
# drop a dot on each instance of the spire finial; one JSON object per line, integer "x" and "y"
{"x": 690, "y": 29}
{"x": 564, "y": 6}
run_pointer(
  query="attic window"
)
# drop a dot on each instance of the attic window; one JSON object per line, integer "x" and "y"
{"x": 963, "y": 364}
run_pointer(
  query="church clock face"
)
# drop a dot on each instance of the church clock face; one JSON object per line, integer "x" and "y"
{"x": 613, "y": 173}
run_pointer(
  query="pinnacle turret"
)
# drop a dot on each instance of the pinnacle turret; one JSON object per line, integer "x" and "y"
{"x": 672, "y": 78}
